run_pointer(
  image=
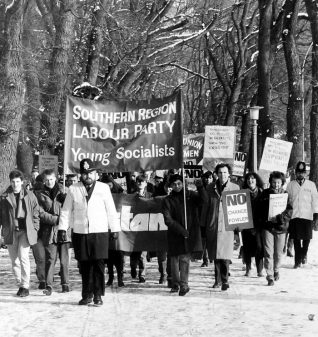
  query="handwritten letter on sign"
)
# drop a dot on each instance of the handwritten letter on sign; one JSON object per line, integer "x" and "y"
{"x": 237, "y": 210}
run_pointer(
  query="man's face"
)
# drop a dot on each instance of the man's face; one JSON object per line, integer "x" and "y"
{"x": 50, "y": 180}
{"x": 16, "y": 184}
{"x": 89, "y": 178}
{"x": 72, "y": 180}
{"x": 177, "y": 186}
{"x": 141, "y": 185}
{"x": 300, "y": 175}
{"x": 223, "y": 175}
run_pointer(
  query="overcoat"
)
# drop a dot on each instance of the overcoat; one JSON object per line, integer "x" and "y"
{"x": 7, "y": 213}
{"x": 219, "y": 241}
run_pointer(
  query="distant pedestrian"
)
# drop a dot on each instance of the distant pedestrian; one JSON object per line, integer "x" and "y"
{"x": 20, "y": 222}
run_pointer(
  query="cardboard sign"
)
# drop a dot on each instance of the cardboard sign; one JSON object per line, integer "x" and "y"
{"x": 219, "y": 146}
{"x": 193, "y": 149}
{"x": 237, "y": 209}
{"x": 48, "y": 162}
{"x": 239, "y": 164}
{"x": 277, "y": 204}
{"x": 191, "y": 174}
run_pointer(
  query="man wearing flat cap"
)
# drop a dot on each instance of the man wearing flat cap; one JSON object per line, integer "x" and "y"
{"x": 304, "y": 200}
{"x": 90, "y": 210}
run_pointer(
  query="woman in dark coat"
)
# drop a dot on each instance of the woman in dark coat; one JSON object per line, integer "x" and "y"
{"x": 183, "y": 235}
{"x": 252, "y": 238}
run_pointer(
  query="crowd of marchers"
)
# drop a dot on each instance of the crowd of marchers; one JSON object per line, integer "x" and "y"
{"x": 52, "y": 219}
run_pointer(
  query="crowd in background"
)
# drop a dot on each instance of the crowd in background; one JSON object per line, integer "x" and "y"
{"x": 39, "y": 214}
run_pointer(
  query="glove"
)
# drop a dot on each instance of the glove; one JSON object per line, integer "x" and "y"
{"x": 114, "y": 236}
{"x": 185, "y": 233}
{"x": 61, "y": 236}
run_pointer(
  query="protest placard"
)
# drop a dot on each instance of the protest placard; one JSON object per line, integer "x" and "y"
{"x": 193, "y": 149}
{"x": 48, "y": 162}
{"x": 237, "y": 209}
{"x": 277, "y": 204}
{"x": 219, "y": 146}
{"x": 240, "y": 159}
{"x": 191, "y": 174}
{"x": 276, "y": 155}
{"x": 124, "y": 136}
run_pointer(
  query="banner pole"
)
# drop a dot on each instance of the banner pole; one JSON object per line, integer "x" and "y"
{"x": 184, "y": 200}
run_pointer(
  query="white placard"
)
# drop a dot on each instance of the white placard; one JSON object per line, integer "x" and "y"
{"x": 48, "y": 162}
{"x": 239, "y": 164}
{"x": 277, "y": 204}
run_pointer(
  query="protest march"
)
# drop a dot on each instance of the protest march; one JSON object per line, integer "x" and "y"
{"x": 135, "y": 187}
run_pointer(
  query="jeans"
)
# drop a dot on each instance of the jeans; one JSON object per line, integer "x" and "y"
{"x": 63, "y": 253}
{"x": 273, "y": 252}
{"x": 93, "y": 278}
{"x": 45, "y": 259}
{"x": 19, "y": 255}
{"x": 138, "y": 259}
{"x": 180, "y": 270}
{"x": 221, "y": 271}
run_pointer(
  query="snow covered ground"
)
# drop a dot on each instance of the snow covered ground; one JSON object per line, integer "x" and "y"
{"x": 248, "y": 308}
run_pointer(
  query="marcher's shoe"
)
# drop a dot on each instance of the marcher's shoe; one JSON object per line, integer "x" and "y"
{"x": 304, "y": 260}
{"x": 225, "y": 286}
{"x": 65, "y": 288}
{"x": 276, "y": 275}
{"x": 121, "y": 283}
{"x": 297, "y": 265}
{"x": 216, "y": 285}
{"x": 270, "y": 282}
{"x": 109, "y": 282}
{"x": 142, "y": 279}
{"x": 85, "y": 301}
{"x": 183, "y": 291}
{"x": 19, "y": 291}
{"x": 174, "y": 289}
{"x": 162, "y": 279}
{"x": 260, "y": 274}
{"x": 42, "y": 285}
{"x": 289, "y": 253}
{"x": 169, "y": 283}
{"x": 48, "y": 291}
{"x": 133, "y": 273}
{"x": 248, "y": 271}
{"x": 25, "y": 292}
{"x": 98, "y": 300}
{"x": 204, "y": 264}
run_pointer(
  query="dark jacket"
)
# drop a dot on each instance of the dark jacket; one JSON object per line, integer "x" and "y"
{"x": 282, "y": 220}
{"x": 7, "y": 214}
{"x": 173, "y": 213}
{"x": 50, "y": 202}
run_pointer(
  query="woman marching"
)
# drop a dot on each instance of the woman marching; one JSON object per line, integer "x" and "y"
{"x": 252, "y": 238}
{"x": 275, "y": 228}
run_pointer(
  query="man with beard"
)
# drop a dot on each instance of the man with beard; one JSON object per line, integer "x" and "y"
{"x": 90, "y": 210}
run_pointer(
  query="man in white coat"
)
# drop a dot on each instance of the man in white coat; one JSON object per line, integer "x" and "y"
{"x": 304, "y": 200}
{"x": 90, "y": 211}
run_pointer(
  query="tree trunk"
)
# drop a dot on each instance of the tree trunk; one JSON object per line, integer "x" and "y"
{"x": 12, "y": 89}
{"x": 294, "y": 107}
{"x": 95, "y": 42}
{"x": 64, "y": 37}
{"x": 312, "y": 10}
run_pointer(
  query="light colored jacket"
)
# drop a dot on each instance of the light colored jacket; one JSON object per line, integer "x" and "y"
{"x": 98, "y": 215}
{"x": 304, "y": 199}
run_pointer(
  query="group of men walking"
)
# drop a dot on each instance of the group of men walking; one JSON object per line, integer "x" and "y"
{"x": 44, "y": 219}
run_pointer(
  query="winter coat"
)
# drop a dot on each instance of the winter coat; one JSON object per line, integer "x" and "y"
{"x": 98, "y": 215}
{"x": 281, "y": 224}
{"x": 174, "y": 216}
{"x": 219, "y": 241}
{"x": 49, "y": 213}
{"x": 7, "y": 213}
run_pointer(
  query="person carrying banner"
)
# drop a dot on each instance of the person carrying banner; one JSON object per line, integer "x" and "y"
{"x": 304, "y": 198}
{"x": 274, "y": 228}
{"x": 139, "y": 258}
{"x": 50, "y": 199}
{"x": 19, "y": 217}
{"x": 219, "y": 241}
{"x": 90, "y": 211}
{"x": 183, "y": 231}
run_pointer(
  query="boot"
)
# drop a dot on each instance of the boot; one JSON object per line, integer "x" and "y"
{"x": 162, "y": 278}
{"x": 120, "y": 281}
{"x": 110, "y": 280}
{"x": 248, "y": 270}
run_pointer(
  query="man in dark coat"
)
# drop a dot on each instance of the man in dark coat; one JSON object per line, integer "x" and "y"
{"x": 19, "y": 218}
{"x": 183, "y": 231}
